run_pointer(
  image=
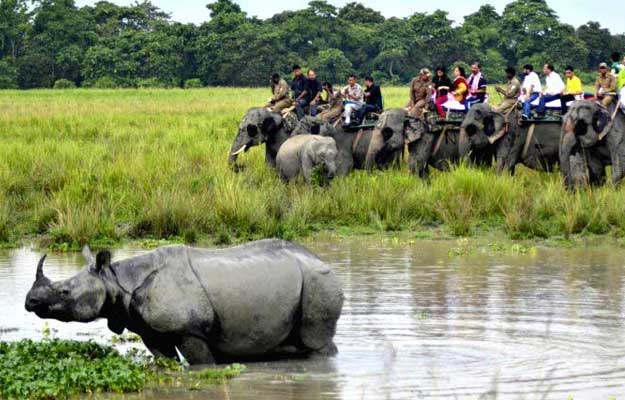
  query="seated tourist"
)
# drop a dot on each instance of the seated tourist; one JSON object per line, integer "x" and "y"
{"x": 531, "y": 89}
{"x": 442, "y": 85}
{"x": 373, "y": 99}
{"x": 354, "y": 99}
{"x": 477, "y": 86}
{"x": 573, "y": 90}
{"x": 335, "y": 101}
{"x": 553, "y": 90}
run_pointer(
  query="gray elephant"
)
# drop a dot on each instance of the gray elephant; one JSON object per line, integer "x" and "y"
{"x": 260, "y": 126}
{"x": 255, "y": 301}
{"x": 430, "y": 145}
{"x": 593, "y": 136}
{"x": 387, "y": 143}
{"x": 487, "y": 134}
{"x": 301, "y": 155}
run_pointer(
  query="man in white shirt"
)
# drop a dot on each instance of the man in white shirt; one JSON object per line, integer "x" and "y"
{"x": 554, "y": 90}
{"x": 354, "y": 99}
{"x": 531, "y": 89}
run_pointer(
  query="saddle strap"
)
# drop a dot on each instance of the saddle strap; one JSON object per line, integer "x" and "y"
{"x": 357, "y": 141}
{"x": 439, "y": 142}
{"x": 528, "y": 140}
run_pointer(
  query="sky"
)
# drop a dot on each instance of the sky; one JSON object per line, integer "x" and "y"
{"x": 574, "y": 12}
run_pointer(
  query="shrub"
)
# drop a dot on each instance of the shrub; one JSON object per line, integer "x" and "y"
{"x": 64, "y": 84}
{"x": 105, "y": 82}
{"x": 193, "y": 84}
{"x": 151, "y": 83}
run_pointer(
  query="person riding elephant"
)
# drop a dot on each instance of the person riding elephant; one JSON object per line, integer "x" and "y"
{"x": 595, "y": 134}
{"x": 335, "y": 103}
{"x": 486, "y": 133}
{"x": 280, "y": 98}
{"x": 301, "y": 155}
{"x": 259, "y": 126}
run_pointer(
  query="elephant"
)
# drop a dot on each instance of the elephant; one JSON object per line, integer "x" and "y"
{"x": 595, "y": 136}
{"x": 387, "y": 142}
{"x": 257, "y": 301}
{"x": 379, "y": 147}
{"x": 487, "y": 134}
{"x": 300, "y": 155}
{"x": 259, "y": 126}
{"x": 430, "y": 146}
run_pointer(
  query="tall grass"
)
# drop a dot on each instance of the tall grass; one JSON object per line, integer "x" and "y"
{"x": 80, "y": 166}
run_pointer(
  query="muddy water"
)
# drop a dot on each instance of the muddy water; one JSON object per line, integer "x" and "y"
{"x": 421, "y": 322}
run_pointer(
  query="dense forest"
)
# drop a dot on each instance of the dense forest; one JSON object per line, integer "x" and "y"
{"x": 48, "y": 43}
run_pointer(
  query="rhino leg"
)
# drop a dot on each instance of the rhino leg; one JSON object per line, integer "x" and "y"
{"x": 322, "y": 300}
{"x": 160, "y": 346}
{"x": 196, "y": 351}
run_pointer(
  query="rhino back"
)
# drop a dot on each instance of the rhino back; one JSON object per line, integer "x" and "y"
{"x": 255, "y": 292}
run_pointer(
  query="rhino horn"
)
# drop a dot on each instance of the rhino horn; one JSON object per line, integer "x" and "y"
{"x": 40, "y": 267}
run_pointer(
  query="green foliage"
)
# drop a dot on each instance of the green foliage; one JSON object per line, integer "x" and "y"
{"x": 193, "y": 84}
{"x": 64, "y": 84}
{"x": 151, "y": 83}
{"x": 53, "y": 369}
{"x": 59, "y": 369}
{"x": 105, "y": 82}
{"x": 8, "y": 75}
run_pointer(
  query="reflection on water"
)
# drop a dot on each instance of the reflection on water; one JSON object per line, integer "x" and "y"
{"x": 419, "y": 323}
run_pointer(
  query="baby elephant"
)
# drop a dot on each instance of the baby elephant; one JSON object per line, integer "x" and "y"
{"x": 301, "y": 155}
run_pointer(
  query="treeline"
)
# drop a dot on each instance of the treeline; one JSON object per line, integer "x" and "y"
{"x": 56, "y": 43}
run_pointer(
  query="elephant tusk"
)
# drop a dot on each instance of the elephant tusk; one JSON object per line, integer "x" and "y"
{"x": 241, "y": 150}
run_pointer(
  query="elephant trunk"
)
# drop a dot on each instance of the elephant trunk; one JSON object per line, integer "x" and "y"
{"x": 239, "y": 146}
{"x": 464, "y": 144}
{"x": 568, "y": 143}
{"x": 375, "y": 146}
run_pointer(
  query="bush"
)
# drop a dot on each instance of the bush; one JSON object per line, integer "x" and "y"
{"x": 105, "y": 83}
{"x": 151, "y": 83}
{"x": 64, "y": 84}
{"x": 8, "y": 75}
{"x": 193, "y": 84}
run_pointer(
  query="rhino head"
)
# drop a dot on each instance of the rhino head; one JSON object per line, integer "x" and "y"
{"x": 77, "y": 299}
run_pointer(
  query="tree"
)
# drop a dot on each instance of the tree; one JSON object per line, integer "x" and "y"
{"x": 359, "y": 14}
{"x": 332, "y": 65}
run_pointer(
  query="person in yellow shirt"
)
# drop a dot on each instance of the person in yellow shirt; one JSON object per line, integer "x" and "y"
{"x": 574, "y": 89}
{"x": 620, "y": 79}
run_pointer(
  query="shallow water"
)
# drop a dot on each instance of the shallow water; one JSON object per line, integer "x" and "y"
{"x": 420, "y": 322}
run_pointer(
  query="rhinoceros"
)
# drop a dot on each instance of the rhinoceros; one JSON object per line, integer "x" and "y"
{"x": 266, "y": 299}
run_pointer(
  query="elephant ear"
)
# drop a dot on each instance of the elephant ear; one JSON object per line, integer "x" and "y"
{"x": 413, "y": 130}
{"x": 600, "y": 120}
{"x": 270, "y": 124}
{"x": 315, "y": 129}
{"x": 387, "y": 133}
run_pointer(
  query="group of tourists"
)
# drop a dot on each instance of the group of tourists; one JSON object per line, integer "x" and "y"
{"x": 306, "y": 95}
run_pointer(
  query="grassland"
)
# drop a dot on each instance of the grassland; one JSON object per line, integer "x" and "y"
{"x": 101, "y": 167}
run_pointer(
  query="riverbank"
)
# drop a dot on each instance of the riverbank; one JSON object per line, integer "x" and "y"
{"x": 108, "y": 167}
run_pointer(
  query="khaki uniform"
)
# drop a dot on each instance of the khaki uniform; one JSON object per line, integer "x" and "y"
{"x": 510, "y": 94}
{"x": 608, "y": 84}
{"x": 336, "y": 108}
{"x": 280, "y": 96}
{"x": 420, "y": 97}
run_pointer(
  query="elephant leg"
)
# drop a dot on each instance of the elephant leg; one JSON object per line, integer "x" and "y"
{"x": 196, "y": 351}
{"x": 160, "y": 346}
{"x": 596, "y": 171}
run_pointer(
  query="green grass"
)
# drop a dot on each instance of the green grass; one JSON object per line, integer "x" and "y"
{"x": 101, "y": 167}
{"x": 52, "y": 369}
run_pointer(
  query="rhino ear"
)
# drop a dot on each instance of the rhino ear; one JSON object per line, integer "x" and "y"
{"x": 88, "y": 255}
{"x": 103, "y": 260}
